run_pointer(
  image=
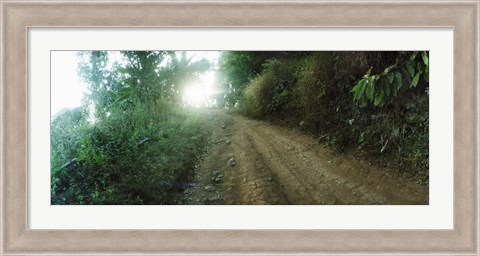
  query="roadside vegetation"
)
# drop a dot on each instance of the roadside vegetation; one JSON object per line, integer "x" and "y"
{"x": 130, "y": 142}
{"x": 133, "y": 141}
{"x": 372, "y": 103}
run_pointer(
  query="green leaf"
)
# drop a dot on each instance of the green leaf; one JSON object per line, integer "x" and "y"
{"x": 398, "y": 80}
{"x": 125, "y": 90}
{"x": 415, "y": 80}
{"x": 386, "y": 87}
{"x": 412, "y": 57}
{"x": 121, "y": 97}
{"x": 359, "y": 89}
{"x": 410, "y": 68}
{"x": 425, "y": 58}
{"x": 390, "y": 77}
{"x": 425, "y": 76}
{"x": 370, "y": 89}
{"x": 361, "y": 138}
{"x": 368, "y": 73}
{"x": 379, "y": 99}
{"x": 387, "y": 70}
{"x": 412, "y": 118}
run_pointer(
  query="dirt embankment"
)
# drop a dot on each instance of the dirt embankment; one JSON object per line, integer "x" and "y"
{"x": 253, "y": 162}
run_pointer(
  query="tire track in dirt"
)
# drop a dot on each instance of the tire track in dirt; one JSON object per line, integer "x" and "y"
{"x": 322, "y": 186}
{"x": 276, "y": 165}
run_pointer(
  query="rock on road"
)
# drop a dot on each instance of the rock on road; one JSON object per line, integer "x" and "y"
{"x": 253, "y": 162}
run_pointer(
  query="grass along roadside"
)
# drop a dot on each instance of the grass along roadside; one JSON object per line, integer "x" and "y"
{"x": 128, "y": 158}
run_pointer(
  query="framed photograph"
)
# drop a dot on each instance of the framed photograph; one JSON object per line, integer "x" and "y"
{"x": 240, "y": 127}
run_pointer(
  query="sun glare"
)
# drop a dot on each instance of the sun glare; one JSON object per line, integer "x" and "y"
{"x": 67, "y": 90}
{"x": 195, "y": 95}
{"x": 199, "y": 94}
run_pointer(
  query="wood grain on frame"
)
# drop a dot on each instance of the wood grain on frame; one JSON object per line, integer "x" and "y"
{"x": 17, "y": 16}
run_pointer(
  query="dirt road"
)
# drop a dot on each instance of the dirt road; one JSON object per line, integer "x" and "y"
{"x": 254, "y": 162}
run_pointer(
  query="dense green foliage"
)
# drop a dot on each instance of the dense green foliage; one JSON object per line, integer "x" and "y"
{"x": 127, "y": 144}
{"x": 132, "y": 142}
{"x": 238, "y": 68}
{"x": 129, "y": 158}
{"x": 375, "y": 103}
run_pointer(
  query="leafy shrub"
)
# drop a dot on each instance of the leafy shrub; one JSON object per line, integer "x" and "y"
{"x": 375, "y": 103}
{"x": 315, "y": 90}
{"x": 128, "y": 158}
{"x": 126, "y": 144}
{"x": 399, "y": 126}
{"x": 270, "y": 91}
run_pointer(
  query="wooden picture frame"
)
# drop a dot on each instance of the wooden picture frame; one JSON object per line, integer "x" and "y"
{"x": 18, "y": 16}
